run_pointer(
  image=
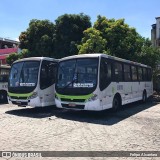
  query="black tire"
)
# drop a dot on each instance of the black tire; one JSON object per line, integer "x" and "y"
{"x": 144, "y": 97}
{"x": 3, "y": 97}
{"x": 116, "y": 103}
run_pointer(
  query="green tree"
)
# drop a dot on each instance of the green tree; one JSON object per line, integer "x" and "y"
{"x": 25, "y": 53}
{"x": 92, "y": 42}
{"x": 117, "y": 38}
{"x": 122, "y": 41}
{"x": 15, "y": 56}
{"x": 69, "y": 32}
{"x": 38, "y": 38}
{"x": 150, "y": 56}
{"x": 11, "y": 58}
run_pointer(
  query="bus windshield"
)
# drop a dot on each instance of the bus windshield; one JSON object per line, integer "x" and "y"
{"x": 24, "y": 76}
{"x": 77, "y": 75}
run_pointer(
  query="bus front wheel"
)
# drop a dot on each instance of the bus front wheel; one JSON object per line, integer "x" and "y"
{"x": 144, "y": 97}
{"x": 116, "y": 103}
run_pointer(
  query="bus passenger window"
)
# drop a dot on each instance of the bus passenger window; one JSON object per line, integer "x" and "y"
{"x": 127, "y": 72}
{"x": 140, "y": 74}
{"x": 134, "y": 73}
{"x": 145, "y": 74}
{"x": 149, "y": 75}
{"x": 118, "y": 72}
{"x": 105, "y": 74}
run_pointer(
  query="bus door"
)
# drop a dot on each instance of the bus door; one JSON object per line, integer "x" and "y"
{"x": 47, "y": 82}
{"x": 105, "y": 82}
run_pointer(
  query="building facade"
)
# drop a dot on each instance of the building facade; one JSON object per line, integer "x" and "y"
{"x": 7, "y": 47}
{"x": 155, "y": 33}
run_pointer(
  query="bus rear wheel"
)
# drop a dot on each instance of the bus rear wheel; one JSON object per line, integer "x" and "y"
{"x": 144, "y": 97}
{"x": 116, "y": 103}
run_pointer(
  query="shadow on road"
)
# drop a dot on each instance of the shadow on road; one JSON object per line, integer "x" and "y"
{"x": 38, "y": 112}
{"x": 103, "y": 118}
{"x": 1, "y": 103}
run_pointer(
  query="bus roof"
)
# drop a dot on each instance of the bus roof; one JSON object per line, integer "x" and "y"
{"x": 36, "y": 59}
{"x": 96, "y": 55}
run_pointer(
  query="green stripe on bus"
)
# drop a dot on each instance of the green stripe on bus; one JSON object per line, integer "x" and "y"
{"x": 20, "y": 94}
{"x": 74, "y": 97}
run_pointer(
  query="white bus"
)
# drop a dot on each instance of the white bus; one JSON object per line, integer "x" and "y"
{"x": 4, "y": 74}
{"x": 99, "y": 82}
{"x": 32, "y": 82}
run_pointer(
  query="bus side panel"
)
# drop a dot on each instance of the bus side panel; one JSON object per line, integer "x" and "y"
{"x": 149, "y": 88}
{"x": 127, "y": 92}
{"x": 106, "y": 97}
{"x": 35, "y": 102}
{"x": 47, "y": 96}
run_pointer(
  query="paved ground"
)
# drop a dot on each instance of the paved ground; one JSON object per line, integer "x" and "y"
{"x": 136, "y": 127}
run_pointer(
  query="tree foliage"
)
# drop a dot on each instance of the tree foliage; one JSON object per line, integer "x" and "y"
{"x": 44, "y": 38}
{"x": 72, "y": 34}
{"x": 11, "y": 58}
{"x": 25, "y": 53}
{"x": 122, "y": 41}
{"x": 150, "y": 56}
{"x": 69, "y": 32}
{"x": 92, "y": 42}
{"x": 117, "y": 38}
{"x": 38, "y": 38}
{"x": 15, "y": 56}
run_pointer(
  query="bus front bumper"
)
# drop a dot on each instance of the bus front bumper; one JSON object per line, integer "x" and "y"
{"x": 35, "y": 102}
{"x": 89, "y": 105}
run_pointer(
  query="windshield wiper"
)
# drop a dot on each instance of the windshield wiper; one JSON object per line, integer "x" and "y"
{"x": 68, "y": 84}
{"x": 74, "y": 79}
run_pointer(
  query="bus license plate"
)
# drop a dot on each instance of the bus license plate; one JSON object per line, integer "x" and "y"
{"x": 18, "y": 102}
{"x": 72, "y": 104}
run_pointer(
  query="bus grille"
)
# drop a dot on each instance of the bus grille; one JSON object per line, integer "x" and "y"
{"x": 20, "y": 103}
{"x": 72, "y": 100}
{"x": 76, "y": 107}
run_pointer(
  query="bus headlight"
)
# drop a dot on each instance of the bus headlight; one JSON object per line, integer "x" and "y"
{"x": 34, "y": 95}
{"x": 93, "y": 98}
